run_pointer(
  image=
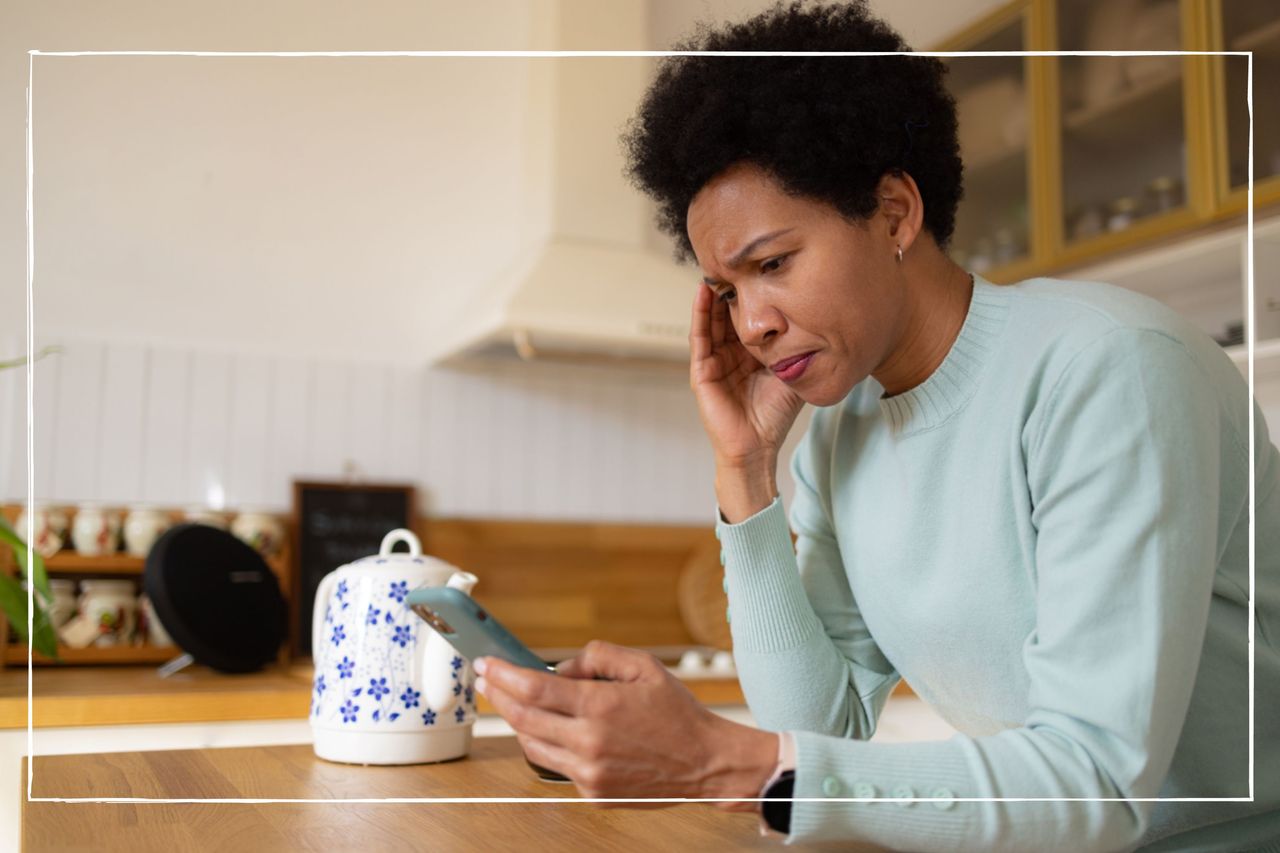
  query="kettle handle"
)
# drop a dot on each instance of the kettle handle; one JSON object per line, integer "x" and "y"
{"x": 400, "y": 535}
{"x": 317, "y": 613}
{"x": 434, "y": 663}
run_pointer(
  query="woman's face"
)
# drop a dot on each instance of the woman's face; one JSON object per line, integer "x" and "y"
{"x": 799, "y": 278}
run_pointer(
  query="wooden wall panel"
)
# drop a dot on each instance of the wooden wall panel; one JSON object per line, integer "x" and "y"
{"x": 208, "y": 444}
{"x": 13, "y": 421}
{"x": 327, "y": 425}
{"x": 45, "y": 418}
{"x": 165, "y": 428}
{"x": 404, "y": 425}
{"x": 367, "y": 429}
{"x": 120, "y": 455}
{"x": 249, "y": 421}
{"x": 288, "y": 425}
{"x": 77, "y": 440}
{"x": 563, "y": 584}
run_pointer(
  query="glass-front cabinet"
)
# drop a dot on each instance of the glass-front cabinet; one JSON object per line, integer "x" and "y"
{"x": 993, "y": 104}
{"x": 1122, "y": 119}
{"x": 1075, "y": 163}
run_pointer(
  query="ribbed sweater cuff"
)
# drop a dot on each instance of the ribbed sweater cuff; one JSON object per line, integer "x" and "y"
{"x": 935, "y": 774}
{"x": 768, "y": 608}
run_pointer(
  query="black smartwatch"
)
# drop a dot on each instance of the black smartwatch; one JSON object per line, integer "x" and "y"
{"x": 776, "y": 808}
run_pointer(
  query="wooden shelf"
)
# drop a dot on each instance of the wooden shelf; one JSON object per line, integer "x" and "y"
{"x": 16, "y": 655}
{"x": 1117, "y": 119}
{"x": 109, "y": 564}
{"x": 72, "y": 563}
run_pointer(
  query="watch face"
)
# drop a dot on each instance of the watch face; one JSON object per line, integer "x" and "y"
{"x": 776, "y": 809}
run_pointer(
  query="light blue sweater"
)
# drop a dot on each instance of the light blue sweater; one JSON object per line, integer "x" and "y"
{"x": 1048, "y": 539}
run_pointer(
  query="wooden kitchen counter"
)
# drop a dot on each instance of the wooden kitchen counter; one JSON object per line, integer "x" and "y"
{"x": 99, "y": 696}
{"x": 495, "y": 768}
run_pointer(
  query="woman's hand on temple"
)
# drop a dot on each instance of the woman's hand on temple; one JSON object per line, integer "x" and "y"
{"x": 638, "y": 734}
{"x": 745, "y": 409}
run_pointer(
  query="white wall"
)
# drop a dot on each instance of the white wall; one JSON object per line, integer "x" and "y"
{"x": 341, "y": 207}
{"x": 229, "y": 197}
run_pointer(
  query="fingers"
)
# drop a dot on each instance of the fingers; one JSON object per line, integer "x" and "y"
{"x": 548, "y": 755}
{"x": 530, "y": 687}
{"x": 606, "y": 660}
{"x": 529, "y": 719}
{"x": 590, "y": 781}
{"x": 719, "y": 319}
{"x": 700, "y": 325}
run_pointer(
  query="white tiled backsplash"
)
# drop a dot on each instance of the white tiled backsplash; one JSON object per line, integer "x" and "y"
{"x": 126, "y": 424}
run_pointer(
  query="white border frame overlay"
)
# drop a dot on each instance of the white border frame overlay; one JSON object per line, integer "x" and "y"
{"x": 1249, "y": 309}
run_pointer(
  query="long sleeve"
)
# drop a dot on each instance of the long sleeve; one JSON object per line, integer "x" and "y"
{"x": 804, "y": 656}
{"x": 1123, "y": 457}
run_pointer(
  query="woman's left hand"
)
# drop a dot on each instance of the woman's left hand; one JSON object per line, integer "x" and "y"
{"x": 639, "y": 734}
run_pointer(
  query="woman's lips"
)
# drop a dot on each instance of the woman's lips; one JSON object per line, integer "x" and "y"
{"x": 793, "y": 368}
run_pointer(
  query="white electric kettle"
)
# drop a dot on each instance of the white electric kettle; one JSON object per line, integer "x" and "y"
{"x": 387, "y": 689}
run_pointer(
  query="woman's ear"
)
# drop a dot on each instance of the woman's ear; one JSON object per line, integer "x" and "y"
{"x": 901, "y": 207}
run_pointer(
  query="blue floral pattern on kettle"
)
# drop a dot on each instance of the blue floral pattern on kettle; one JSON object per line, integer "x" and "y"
{"x": 364, "y": 672}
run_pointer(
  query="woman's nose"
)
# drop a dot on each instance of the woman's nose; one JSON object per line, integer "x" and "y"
{"x": 758, "y": 321}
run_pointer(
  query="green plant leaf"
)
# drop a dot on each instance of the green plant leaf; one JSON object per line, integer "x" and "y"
{"x": 46, "y": 638}
{"x": 21, "y": 360}
{"x": 14, "y": 603}
{"x": 13, "y": 600}
{"x": 41, "y": 577}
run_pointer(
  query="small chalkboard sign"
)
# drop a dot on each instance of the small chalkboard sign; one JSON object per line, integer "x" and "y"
{"x": 334, "y": 524}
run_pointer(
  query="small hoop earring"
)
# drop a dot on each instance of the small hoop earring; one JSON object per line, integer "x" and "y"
{"x": 899, "y": 254}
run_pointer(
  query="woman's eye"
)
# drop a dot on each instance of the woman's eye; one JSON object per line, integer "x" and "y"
{"x": 775, "y": 262}
{"x": 725, "y": 296}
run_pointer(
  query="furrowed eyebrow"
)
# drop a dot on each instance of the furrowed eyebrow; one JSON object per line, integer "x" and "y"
{"x": 737, "y": 260}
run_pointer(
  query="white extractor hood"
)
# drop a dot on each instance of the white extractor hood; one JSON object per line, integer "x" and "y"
{"x": 601, "y": 287}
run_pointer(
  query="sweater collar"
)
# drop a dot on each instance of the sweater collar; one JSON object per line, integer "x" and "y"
{"x": 951, "y": 385}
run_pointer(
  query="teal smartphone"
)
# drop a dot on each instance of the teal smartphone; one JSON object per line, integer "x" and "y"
{"x": 474, "y": 632}
{"x": 469, "y": 628}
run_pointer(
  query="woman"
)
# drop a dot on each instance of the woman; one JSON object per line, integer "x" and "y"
{"x": 1029, "y": 501}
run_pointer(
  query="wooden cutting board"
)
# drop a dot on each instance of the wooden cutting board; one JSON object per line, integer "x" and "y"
{"x": 700, "y": 595}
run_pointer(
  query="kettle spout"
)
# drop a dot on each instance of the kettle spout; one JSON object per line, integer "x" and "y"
{"x": 463, "y": 581}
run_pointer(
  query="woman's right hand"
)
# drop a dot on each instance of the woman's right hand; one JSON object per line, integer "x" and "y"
{"x": 745, "y": 409}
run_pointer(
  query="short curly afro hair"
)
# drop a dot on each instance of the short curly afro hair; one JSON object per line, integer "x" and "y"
{"x": 827, "y": 128}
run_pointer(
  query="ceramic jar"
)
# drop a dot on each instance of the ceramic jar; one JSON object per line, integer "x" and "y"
{"x": 64, "y": 601}
{"x": 95, "y": 531}
{"x": 260, "y": 531}
{"x": 387, "y": 689}
{"x": 109, "y": 605}
{"x": 142, "y": 527}
{"x": 45, "y": 528}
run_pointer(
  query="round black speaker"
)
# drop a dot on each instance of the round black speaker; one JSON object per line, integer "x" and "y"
{"x": 216, "y": 597}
